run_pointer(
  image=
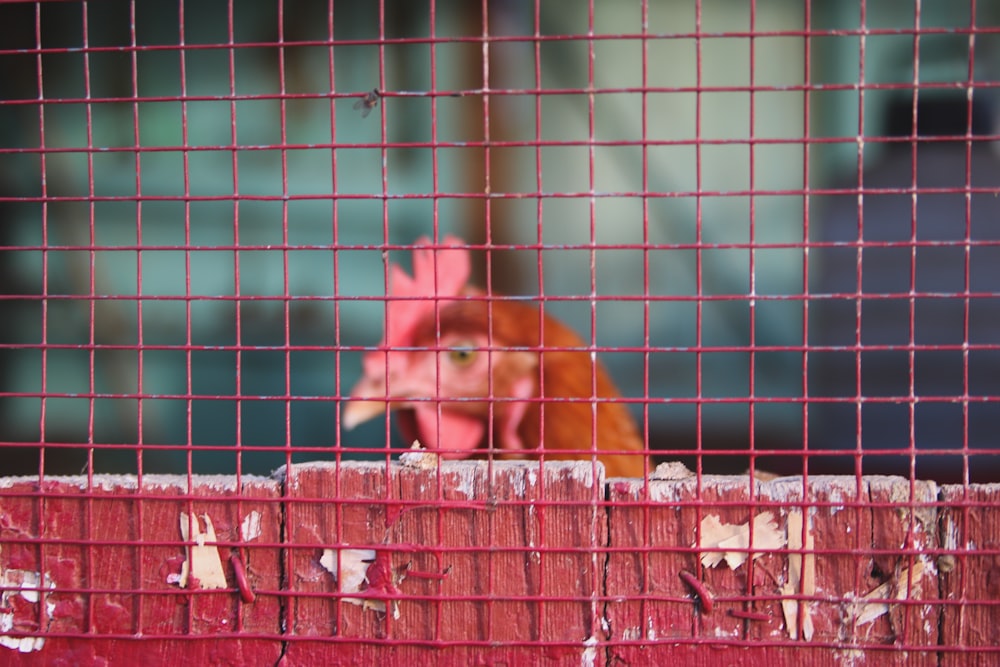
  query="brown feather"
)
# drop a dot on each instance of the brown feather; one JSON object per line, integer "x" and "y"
{"x": 566, "y": 373}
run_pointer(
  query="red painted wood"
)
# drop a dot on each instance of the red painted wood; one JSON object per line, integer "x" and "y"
{"x": 494, "y": 563}
{"x": 904, "y": 523}
{"x": 970, "y": 571}
{"x": 486, "y": 559}
{"x": 654, "y": 615}
{"x": 108, "y": 551}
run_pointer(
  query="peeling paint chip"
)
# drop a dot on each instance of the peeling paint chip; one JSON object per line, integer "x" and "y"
{"x": 352, "y": 571}
{"x": 589, "y": 656}
{"x": 419, "y": 458}
{"x": 250, "y": 528}
{"x": 26, "y": 584}
{"x": 801, "y": 576}
{"x": 354, "y": 568}
{"x": 203, "y": 565}
{"x": 871, "y": 606}
{"x": 730, "y": 542}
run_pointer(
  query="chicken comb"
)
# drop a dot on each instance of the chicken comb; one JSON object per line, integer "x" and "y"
{"x": 438, "y": 272}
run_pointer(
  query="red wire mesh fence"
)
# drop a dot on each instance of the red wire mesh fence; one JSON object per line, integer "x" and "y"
{"x": 507, "y": 331}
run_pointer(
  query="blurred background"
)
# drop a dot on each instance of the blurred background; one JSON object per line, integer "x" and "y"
{"x": 196, "y": 296}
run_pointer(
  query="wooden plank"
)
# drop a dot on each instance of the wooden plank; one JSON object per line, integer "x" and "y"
{"x": 478, "y": 562}
{"x": 970, "y": 572}
{"x": 653, "y": 612}
{"x": 488, "y": 562}
{"x": 332, "y": 507}
{"x": 107, "y": 556}
{"x": 904, "y": 531}
{"x": 650, "y": 535}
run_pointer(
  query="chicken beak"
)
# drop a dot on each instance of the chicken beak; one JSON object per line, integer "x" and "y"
{"x": 359, "y": 410}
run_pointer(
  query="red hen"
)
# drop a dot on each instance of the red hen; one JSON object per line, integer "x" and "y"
{"x": 465, "y": 372}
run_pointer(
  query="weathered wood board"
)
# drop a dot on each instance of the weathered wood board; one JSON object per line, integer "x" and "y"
{"x": 470, "y": 560}
{"x": 858, "y": 536}
{"x": 485, "y": 562}
{"x": 88, "y": 567}
{"x": 970, "y": 573}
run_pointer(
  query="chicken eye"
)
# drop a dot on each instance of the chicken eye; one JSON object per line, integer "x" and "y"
{"x": 461, "y": 356}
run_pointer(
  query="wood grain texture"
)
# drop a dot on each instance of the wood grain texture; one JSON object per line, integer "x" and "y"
{"x": 474, "y": 554}
{"x": 106, "y": 551}
{"x": 654, "y": 614}
{"x": 970, "y": 572}
{"x": 476, "y": 562}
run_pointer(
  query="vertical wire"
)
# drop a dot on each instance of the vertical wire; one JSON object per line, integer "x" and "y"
{"x": 91, "y": 332}
{"x": 860, "y": 492}
{"x": 436, "y": 204}
{"x": 43, "y": 164}
{"x": 237, "y": 282}
{"x": 384, "y": 174}
{"x": 186, "y": 174}
{"x": 967, "y": 287}
{"x": 860, "y": 244}
{"x": 335, "y": 237}
{"x": 338, "y": 507}
{"x": 806, "y": 144}
{"x": 139, "y": 505}
{"x": 647, "y": 538}
{"x": 540, "y": 238}
{"x": 699, "y": 283}
{"x": 806, "y": 241}
{"x": 91, "y": 253}
{"x": 752, "y": 252}
{"x": 185, "y": 141}
{"x": 137, "y": 140}
{"x": 752, "y": 498}
{"x": 913, "y": 242}
{"x": 44, "y": 182}
{"x": 966, "y": 517}
{"x": 912, "y": 340}
{"x": 286, "y": 290}
{"x": 596, "y": 493}
{"x": 387, "y": 498}
{"x": 484, "y": 10}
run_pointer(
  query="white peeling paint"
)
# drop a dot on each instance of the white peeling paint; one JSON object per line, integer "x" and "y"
{"x": 722, "y": 633}
{"x": 467, "y": 480}
{"x": 583, "y": 472}
{"x": 589, "y": 657}
{"x": 203, "y": 561}
{"x": 352, "y": 569}
{"x": 662, "y": 492}
{"x": 950, "y": 535}
{"x": 651, "y": 634}
{"x": 25, "y": 583}
{"x": 250, "y": 528}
